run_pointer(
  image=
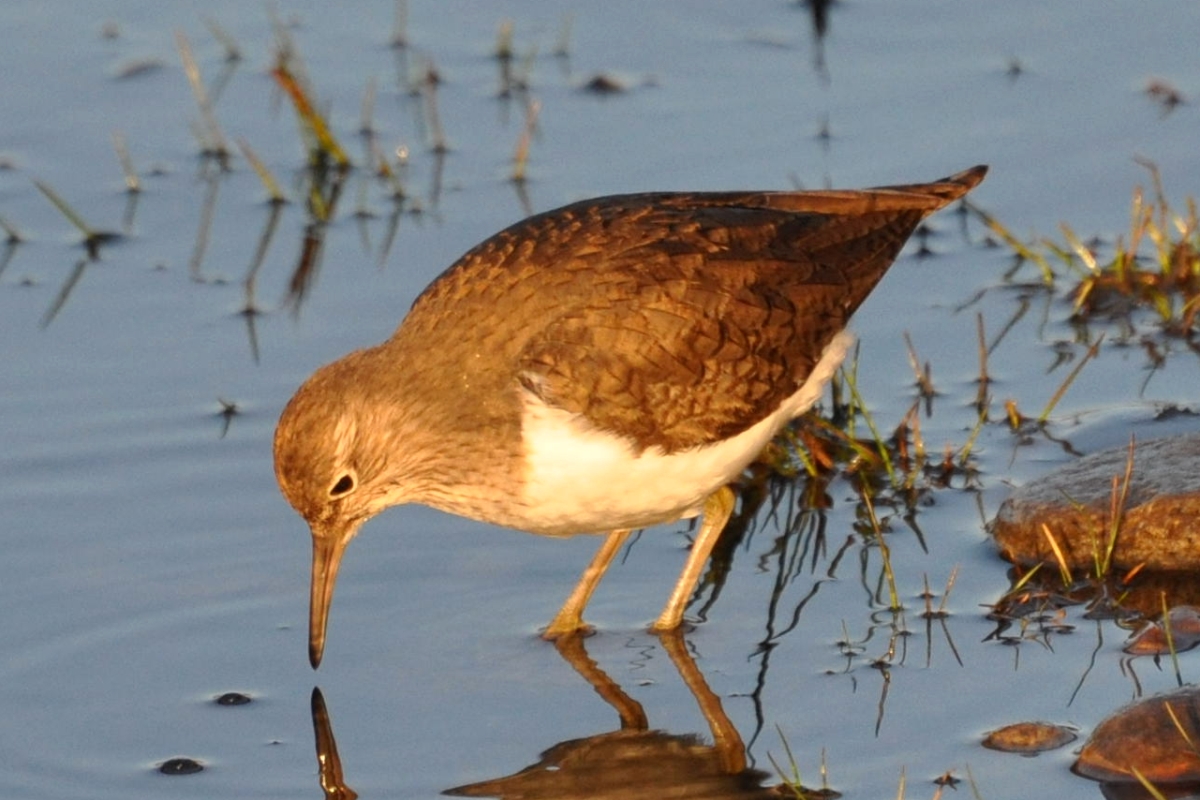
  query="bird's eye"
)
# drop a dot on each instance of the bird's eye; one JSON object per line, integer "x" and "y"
{"x": 344, "y": 485}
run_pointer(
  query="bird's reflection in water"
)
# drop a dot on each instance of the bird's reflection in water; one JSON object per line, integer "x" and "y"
{"x": 631, "y": 762}
{"x": 634, "y": 761}
{"x": 329, "y": 765}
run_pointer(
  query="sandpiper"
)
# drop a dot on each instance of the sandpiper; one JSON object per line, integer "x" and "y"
{"x": 603, "y": 367}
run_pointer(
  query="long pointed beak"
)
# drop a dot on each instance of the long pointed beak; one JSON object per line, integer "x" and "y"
{"x": 328, "y": 546}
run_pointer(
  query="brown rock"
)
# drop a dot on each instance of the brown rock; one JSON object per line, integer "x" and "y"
{"x": 1146, "y": 736}
{"x": 1029, "y": 738}
{"x": 1158, "y": 529}
{"x": 1180, "y": 632}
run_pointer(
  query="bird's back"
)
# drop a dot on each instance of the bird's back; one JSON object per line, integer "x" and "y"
{"x": 673, "y": 319}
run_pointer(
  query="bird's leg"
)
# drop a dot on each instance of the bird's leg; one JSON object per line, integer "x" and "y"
{"x": 569, "y": 618}
{"x": 717, "y": 510}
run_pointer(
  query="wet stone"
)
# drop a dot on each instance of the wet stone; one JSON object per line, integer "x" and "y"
{"x": 1158, "y": 529}
{"x": 232, "y": 699}
{"x": 180, "y": 766}
{"x": 1180, "y": 632}
{"x": 1029, "y": 738}
{"x": 1152, "y": 736}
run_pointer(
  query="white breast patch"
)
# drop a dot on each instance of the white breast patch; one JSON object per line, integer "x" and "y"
{"x": 580, "y": 479}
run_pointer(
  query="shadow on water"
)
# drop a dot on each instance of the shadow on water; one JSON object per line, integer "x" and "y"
{"x": 633, "y": 761}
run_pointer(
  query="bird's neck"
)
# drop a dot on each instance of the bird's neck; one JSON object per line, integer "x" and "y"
{"x": 451, "y": 434}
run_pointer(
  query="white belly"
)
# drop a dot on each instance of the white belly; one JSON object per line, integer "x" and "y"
{"x": 580, "y": 479}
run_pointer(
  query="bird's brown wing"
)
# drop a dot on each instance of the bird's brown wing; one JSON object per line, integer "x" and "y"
{"x": 695, "y": 337}
{"x": 673, "y": 319}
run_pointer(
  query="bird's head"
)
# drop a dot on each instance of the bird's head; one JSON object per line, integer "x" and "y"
{"x": 334, "y": 474}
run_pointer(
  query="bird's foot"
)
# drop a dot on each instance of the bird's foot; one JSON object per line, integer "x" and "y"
{"x": 560, "y": 629}
{"x": 660, "y": 628}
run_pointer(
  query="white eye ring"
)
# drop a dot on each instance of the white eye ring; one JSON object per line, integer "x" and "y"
{"x": 344, "y": 485}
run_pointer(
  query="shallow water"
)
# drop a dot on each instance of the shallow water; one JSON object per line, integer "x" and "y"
{"x": 151, "y": 565}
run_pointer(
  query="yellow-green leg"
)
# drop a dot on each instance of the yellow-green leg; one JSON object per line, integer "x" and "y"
{"x": 569, "y": 618}
{"x": 717, "y": 510}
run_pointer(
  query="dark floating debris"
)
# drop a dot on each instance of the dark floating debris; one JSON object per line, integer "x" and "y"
{"x": 601, "y": 83}
{"x": 228, "y": 407}
{"x": 1165, "y": 94}
{"x": 232, "y": 699}
{"x": 137, "y": 68}
{"x": 180, "y": 766}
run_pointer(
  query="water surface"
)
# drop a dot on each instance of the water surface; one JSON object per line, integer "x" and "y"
{"x": 151, "y": 564}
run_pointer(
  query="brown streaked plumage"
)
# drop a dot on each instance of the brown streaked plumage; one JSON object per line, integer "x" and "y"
{"x": 602, "y": 367}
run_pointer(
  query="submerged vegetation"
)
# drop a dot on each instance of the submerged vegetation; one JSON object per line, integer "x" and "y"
{"x": 1144, "y": 285}
{"x": 1149, "y": 274}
